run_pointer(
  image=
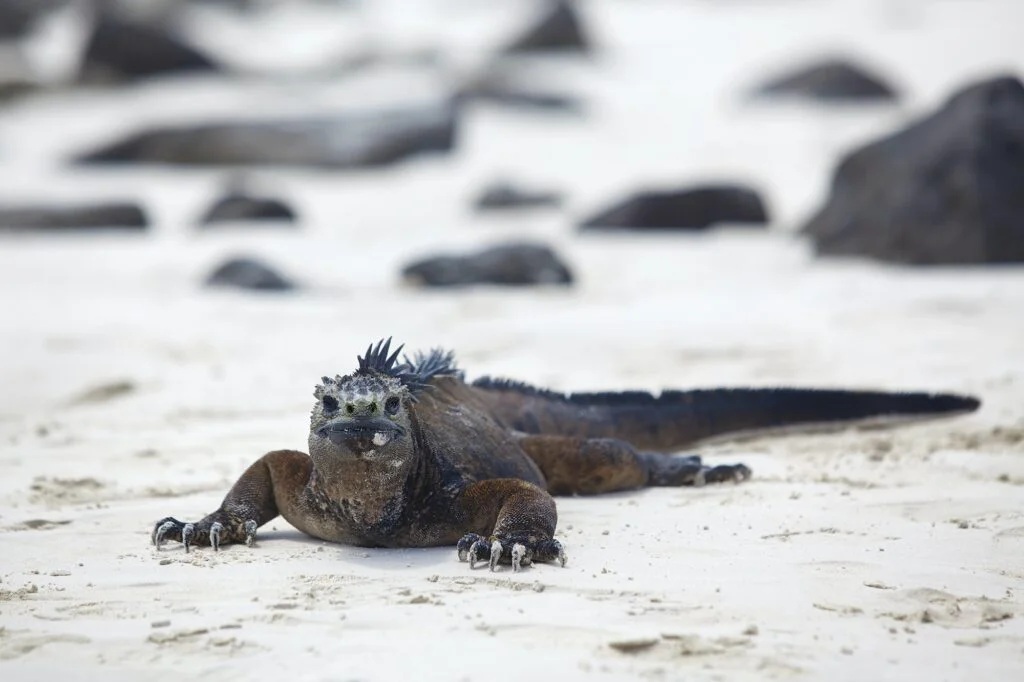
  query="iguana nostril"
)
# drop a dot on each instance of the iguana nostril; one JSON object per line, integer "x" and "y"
{"x": 350, "y": 408}
{"x": 373, "y": 407}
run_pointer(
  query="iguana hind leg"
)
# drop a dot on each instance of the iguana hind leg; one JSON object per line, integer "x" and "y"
{"x": 272, "y": 485}
{"x": 519, "y": 519}
{"x": 590, "y": 466}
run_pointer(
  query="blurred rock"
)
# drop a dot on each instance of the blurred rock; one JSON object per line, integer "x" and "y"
{"x": 493, "y": 87}
{"x": 150, "y": 12}
{"x": 833, "y": 80}
{"x": 18, "y": 17}
{"x": 354, "y": 141}
{"x": 118, "y": 216}
{"x": 522, "y": 99}
{"x": 504, "y": 195}
{"x": 948, "y": 189}
{"x": 513, "y": 264}
{"x": 258, "y": 5}
{"x": 557, "y": 28}
{"x": 20, "y": 74}
{"x": 238, "y": 205}
{"x": 694, "y": 208}
{"x": 238, "y": 5}
{"x": 120, "y": 50}
{"x": 13, "y": 90}
{"x": 248, "y": 273}
{"x": 17, "y": 77}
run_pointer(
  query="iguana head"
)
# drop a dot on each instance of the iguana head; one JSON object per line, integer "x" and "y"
{"x": 367, "y": 414}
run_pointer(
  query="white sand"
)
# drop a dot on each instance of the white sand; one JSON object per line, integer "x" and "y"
{"x": 895, "y": 554}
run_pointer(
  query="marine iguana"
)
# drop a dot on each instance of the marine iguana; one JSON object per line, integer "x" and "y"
{"x": 408, "y": 454}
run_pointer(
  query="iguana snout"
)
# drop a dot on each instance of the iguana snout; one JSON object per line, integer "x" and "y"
{"x": 359, "y": 430}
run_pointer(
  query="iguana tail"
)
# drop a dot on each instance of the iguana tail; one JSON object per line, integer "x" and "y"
{"x": 676, "y": 419}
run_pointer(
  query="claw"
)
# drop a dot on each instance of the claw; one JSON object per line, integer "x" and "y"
{"x": 562, "y": 556}
{"x": 465, "y": 544}
{"x": 215, "y": 530}
{"x": 187, "y": 531}
{"x": 496, "y": 550}
{"x": 250, "y": 532}
{"x": 520, "y": 557}
{"x": 480, "y": 551}
{"x": 699, "y": 479}
{"x": 160, "y": 531}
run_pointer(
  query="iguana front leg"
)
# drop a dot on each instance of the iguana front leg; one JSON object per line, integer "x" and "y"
{"x": 519, "y": 518}
{"x": 271, "y": 486}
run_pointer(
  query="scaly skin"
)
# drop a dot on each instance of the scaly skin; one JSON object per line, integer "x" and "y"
{"x": 409, "y": 455}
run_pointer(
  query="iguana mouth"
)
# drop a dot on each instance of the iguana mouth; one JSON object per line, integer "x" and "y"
{"x": 364, "y": 433}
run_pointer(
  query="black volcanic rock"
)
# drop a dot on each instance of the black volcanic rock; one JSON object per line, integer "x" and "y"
{"x": 352, "y": 141}
{"x": 239, "y": 205}
{"x": 248, "y": 273}
{"x": 73, "y": 218}
{"x": 514, "y": 97}
{"x": 514, "y": 90}
{"x": 693, "y": 208}
{"x": 832, "y": 80}
{"x": 121, "y": 50}
{"x": 507, "y": 196}
{"x": 556, "y": 28}
{"x": 948, "y": 189}
{"x": 512, "y": 264}
{"x": 18, "y": 17}
{"x": 16, "y": 88}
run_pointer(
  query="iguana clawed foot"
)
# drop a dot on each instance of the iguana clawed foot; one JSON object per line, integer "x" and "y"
{"x": 680, "y": 470}
{"x": 725, "y": 473}
{"x": 204, "y": 532}
{"x": 497, "y": 550}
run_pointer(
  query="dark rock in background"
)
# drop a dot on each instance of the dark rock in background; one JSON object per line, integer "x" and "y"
{"x": 832, "y": 80}
{"x": 558, "y": 28}
{"x": 503, "y": 90}
{"x": 948, "y": 189}
{"x": 505, "y": 195}
{"x": 695, "y": 208}
{"x": 522, "y": 99}
{"x": 353, "y": 141}
{"x": 238, "y": 5}
{"x": 18, "y": 17}
{"x": 513, "y": 264}
{"x": 259, "y": 5}
{"x": 73, "y": 217}
{"x": 248, "y": 273}
{"x": 120, "y": 50}
{"x": 239, "y": 205}
{"x": 16, "y": 89}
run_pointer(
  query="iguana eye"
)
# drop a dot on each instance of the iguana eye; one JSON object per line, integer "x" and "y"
{"x": 330, "y": 403}
{"x": 391, "y": 405}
